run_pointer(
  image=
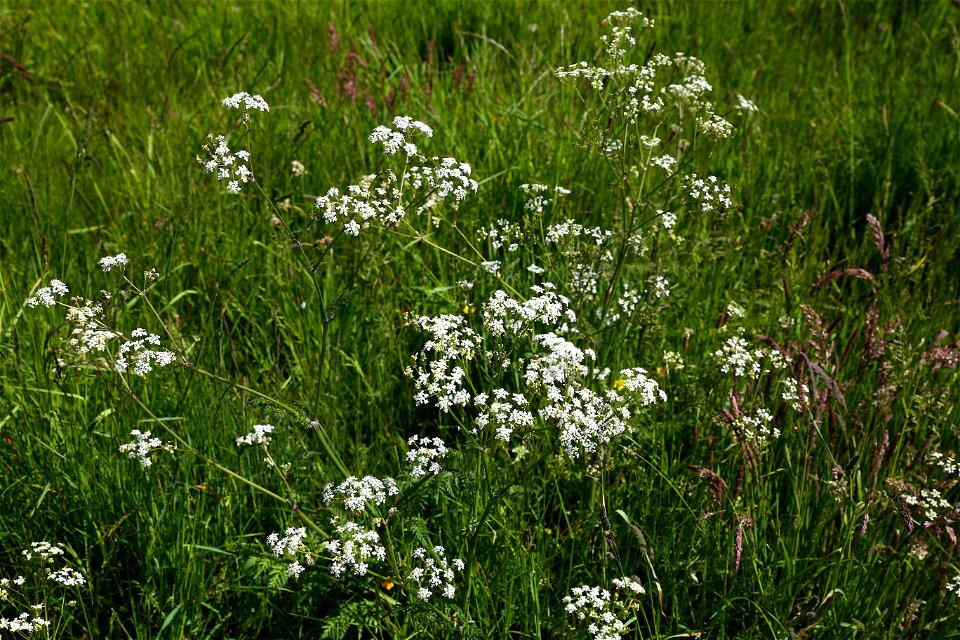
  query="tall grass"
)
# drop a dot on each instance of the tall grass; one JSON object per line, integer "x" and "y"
{"x": 840, "y": 251}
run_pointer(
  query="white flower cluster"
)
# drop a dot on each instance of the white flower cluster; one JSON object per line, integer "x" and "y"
{"x": 584, "y": 279}
{"x": 227, "y": 164}
{"x": 291, "y": 544}
{"x": 537, "y": 200}
{"x": 594, "y": 606}
{"x": 491, "y": 266}
{"x": 569, "y": 230}
{"x": 26, "y": 622}
{"x": 631, "y": 584}
{"x": 954, "y": 585}
{"x": 504, "y": 315}
{"x": 43, "y": 550}
{"x": 560, "y": 366}
{"x": 259, "y": 435}
{"x": 930, "y": 500}
{"x": 435, "y": 573}
{"x": 394, "y": 141}
{"x": 667, "y": 219}
{"x": 947, "y": 463}
{"x": 661, "y": 287}
{"x": 438, "y": 372}
{"x": 142, "y": 446}
{"x": 356, "y": 492}
{"x": 673, "y": 360}
{"x": 441, "y": 179}
{"x": 715, "y": 126}
{"x": 34, "y": 620}
{"x": 710, "y": 193}
{"x": 245, "y": 101}
{"x": 758, "y": 427}
{"x": 618, "y": 44}
{"x": 354, "y": 548}
{"x": 735, "y": 311}
{"x": 735, "y": 357}
{"x": 109, "y": 262}
{"x": 506, "y": 413}
{"x": 795, "y": 394}
{"x": 665, "y": 162}
{"x": 424, "y": 456}
{"x": 555, "y": 374}
{"x": 379, "y": 197}
{"x": 585, "y": 419}
{"x": 636, "y": 88}
{"x": 628, "y": 302}
{"x": 636, "y": 381}
{"x": 142, "y": 357}
{"x": 67, "y": 576}
{"x": 45, "y": 295}
{"x": 90, "y": 333}
{"x": 745, "y": 105}
{"x": 502, "y": 234}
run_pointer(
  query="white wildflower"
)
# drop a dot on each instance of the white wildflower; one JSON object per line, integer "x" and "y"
{"x": 290, "y": 546}
{"x": 245, "y": 101}
{"x": 45, "y": 295}
{"x": 136, "y": 351}
{"x": 745, "y": 105}
{"x": 593, "y": 606}
{"x": 109, "y": 262}
{"x": 354, "y": 548}
{"x": 356, "y": 492}
{"x": 227, "y": 164}
{"x": 758, "y": 427}
{"x": 259, "y": 435}
{"x": 438, "y": 372}
{"x": 142, "y": 446}
{"x": 434, "y": 573}
{"x": 491, "y": 266}
{"x": 665, "y": 162}
{"x": 424, "y": 455}
{"x": 735, "y": 357}
{"x": 67, "y": 576}
{"x": 954, "y": 585}
{"x": 710, "y": 193}
{"x": 661, "y": 287}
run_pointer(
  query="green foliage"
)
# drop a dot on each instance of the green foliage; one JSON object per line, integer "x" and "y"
{"x": 284, "y": 320}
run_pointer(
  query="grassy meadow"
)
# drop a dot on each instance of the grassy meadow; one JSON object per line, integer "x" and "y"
{"x": 645, "y": 406}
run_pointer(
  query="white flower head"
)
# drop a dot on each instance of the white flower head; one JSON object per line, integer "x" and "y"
{"x": 245, "y": 101}
{"x": 434, "y": 573}
{"x": 424, "y": 456}
{"x": 259, "y": 435}
{"x": 45, "y": 295}
{"x": 137, "y": 351}
{"x": 142, "y": 446}
{"x": 356, "y": 492}
{"x": 228, "y": 165}
{"x": 109, "y": 262}
{"x": 354, "y": 548}
{"x": 290, "y": 546}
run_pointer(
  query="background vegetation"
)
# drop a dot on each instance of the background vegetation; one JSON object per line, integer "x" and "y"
{"x": 109, "y": 103}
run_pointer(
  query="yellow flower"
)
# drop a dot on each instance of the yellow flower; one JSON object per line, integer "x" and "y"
{"x": 619, "y": 383}
{"x": 469, "y": 308}
{"x": 387, "y": 583}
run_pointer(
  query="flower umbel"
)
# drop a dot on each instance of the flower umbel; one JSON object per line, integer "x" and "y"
{"x": 142, "y": 446}
{"x": 434, "y": 574}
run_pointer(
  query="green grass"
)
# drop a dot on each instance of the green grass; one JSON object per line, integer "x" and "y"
{"x": 111, "y": 102}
